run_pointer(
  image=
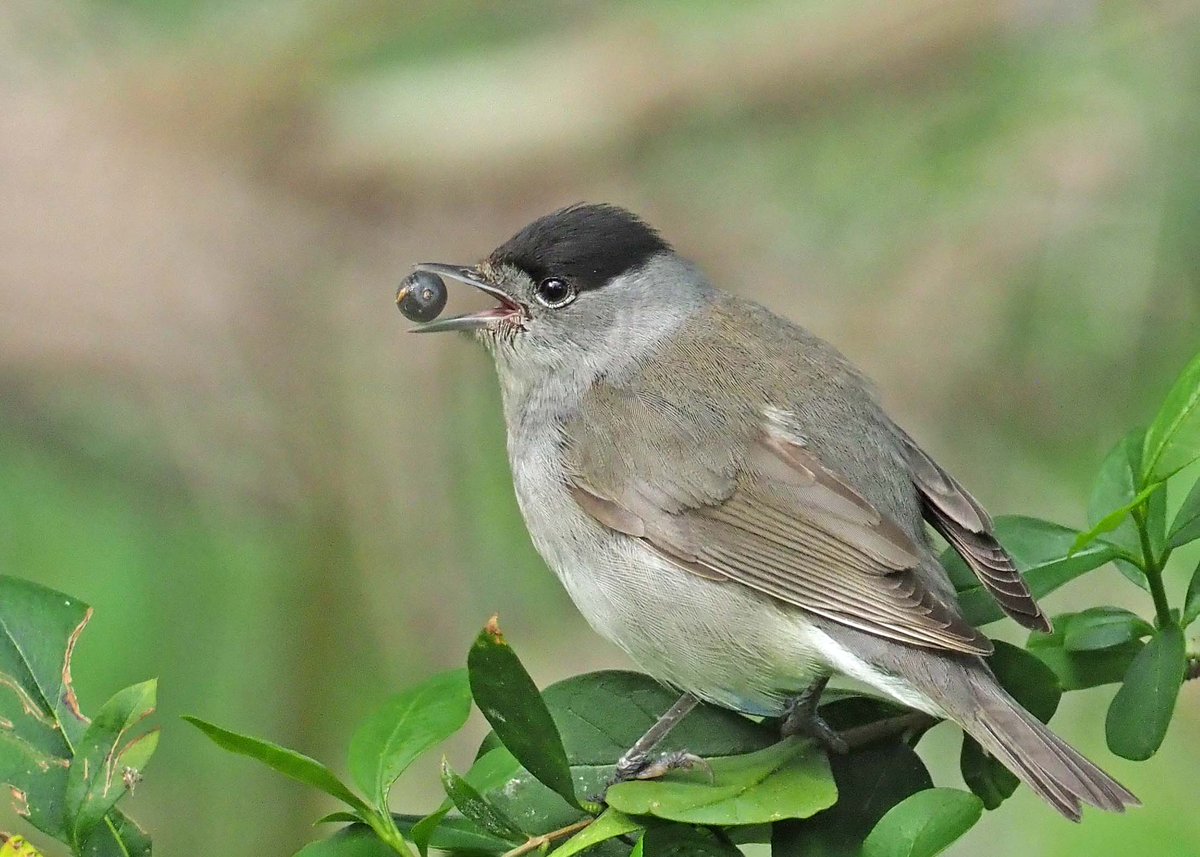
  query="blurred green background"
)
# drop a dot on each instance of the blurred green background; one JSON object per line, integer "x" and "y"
{"x": 214, "y": 429}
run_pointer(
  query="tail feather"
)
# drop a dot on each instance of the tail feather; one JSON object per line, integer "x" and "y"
{"x": 1051, "y": 767}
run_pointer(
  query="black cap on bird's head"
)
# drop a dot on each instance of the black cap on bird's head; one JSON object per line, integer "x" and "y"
{"x": 546, "y": 265}
{"x": 587, "y": 244}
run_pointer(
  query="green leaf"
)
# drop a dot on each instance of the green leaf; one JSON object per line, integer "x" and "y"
{"x": 608, "y": 825}
{"x": 681, "y": 840}
{"x": 984, "y": 775}
{"x": 1030, "y": 681}
{"x": 1115, "y": 494}
{"x": 19, "y": 846}
{"x": 789, "y": 780}
{"x": 422, "y": 832}
{"x": 404, "y": 727}
{"x": 454, "y": 833}
{"x": 472, "y": 805}
{"x": 510, "y": 701}
{"x": 105, "y": 756}
{"x": 291, "y": 764}
{"x": 924, "y": 824}
{"x": 1103, "y": 628}
{"x": 1037, "y": 688}
{"x": 339, "y": 817}
{"x": 1080, "y": 670}
{"x": 1141, "y": 711}
{"x": 1191, "y": 601}
{"x": 355, "y": 841}
{"x": 1115, "y": 518}
{"x": 870, "y": 781}
{"x": 600, "y": 715}
{"x": 639, "y": 847}
{"x": 1173, "y": 439}
{"x": 1040, "y": 550}
{"x": 117, "y": 836}
{"x": 1186, "y": 526}
{"x": 43, "y": 724}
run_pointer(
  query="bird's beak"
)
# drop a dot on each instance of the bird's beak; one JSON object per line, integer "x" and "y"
{"x": 508, "y": 309}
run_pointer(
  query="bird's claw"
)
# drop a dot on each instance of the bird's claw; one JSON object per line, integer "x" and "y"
{"x": 644, "y": 767}
{"x": 814, "y": 726}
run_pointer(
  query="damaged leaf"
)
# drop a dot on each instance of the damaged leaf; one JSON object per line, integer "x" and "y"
{"x": 109, "y": 758}
{"x": 46, "y": 742}
{"x": 511, "y": 702}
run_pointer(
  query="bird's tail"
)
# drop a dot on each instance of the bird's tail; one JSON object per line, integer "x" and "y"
{"x": 1055, "y": 770}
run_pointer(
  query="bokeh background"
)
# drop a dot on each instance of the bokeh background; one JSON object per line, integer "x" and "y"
{"x": 214, "y": 428}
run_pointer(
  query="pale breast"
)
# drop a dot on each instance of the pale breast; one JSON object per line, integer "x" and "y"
{"x": 721, "y": 641}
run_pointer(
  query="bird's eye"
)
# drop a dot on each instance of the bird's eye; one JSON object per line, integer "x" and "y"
{"x": 553, "y": 292}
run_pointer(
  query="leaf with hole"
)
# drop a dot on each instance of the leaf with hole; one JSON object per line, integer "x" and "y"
{"x": 924, "y": 824}
{"x": 789, "y": 780}
{"x": 1040, "y": 549}
{"x": 404, "y": 727}
{"x": 510, "y": 701}
{"x": 291, "y": 764}
{"x": 1141, "y": 711}
{"x": 1173, "y": 439}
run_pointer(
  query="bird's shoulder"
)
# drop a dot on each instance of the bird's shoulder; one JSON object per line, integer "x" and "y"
{"x": 686, "y": 417}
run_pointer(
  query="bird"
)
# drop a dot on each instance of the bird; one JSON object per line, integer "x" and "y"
{"x": 723, "y": 497}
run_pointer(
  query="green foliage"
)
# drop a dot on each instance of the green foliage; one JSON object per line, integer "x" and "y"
{"x": 509, "y": 700}
{"x": 788, "y": 780}
{"x": 522, "y": 792}
{"x": 66, "y": 773}
{"x": 405, "y": 727}
{"x": 1141, "y": 711}
{"x": 923, "y": 824}
{"x": 1173, "y": 439}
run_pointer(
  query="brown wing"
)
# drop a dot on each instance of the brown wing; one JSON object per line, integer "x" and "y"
{"x": 791, "y": 528}
{"x": 967, "y": 526}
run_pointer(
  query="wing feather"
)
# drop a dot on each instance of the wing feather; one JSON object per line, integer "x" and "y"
{"x": 793, "y": 529}
{"x": 967, "y": 526}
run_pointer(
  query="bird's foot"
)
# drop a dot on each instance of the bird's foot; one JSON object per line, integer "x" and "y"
{"x": 803, "y": 719}
{"x": 641, "y": 766}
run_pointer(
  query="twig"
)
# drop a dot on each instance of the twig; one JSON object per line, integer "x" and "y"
{"x": 536, "y": 842}
{"x": 869, "y": 733}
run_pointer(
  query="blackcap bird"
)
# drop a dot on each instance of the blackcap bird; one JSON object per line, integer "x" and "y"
{"x": 725, "y": 499}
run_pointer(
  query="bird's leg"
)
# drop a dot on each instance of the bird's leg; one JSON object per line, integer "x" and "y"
{"x": 636, "y": 763}
{"x": 802, "y": 719}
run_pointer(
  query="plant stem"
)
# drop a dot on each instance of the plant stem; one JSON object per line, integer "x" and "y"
{"x": 385, "y": 828}
{"x": 1153, "y": 568}
{"x": 869, "y": 733}
{"x": 536, "y": 842}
